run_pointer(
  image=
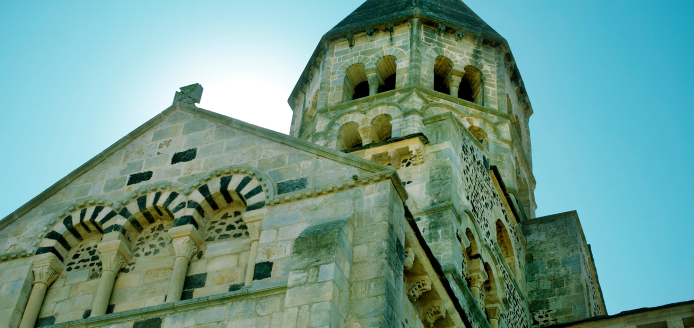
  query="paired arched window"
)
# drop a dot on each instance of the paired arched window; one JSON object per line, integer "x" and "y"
{"x": 356, "y": 86}
{"x": 382, "y": 127}
{"x": 348, "y": 136}
{"x": 479, "y": 134}
{"x": 504, "y": 241}
{"x": 471, "y": 85}
{"x": 387, "y": 69}
{"x": 442, "y": 71}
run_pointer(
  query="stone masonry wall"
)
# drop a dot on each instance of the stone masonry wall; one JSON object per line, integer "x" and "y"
{"x": 555, "y": 273}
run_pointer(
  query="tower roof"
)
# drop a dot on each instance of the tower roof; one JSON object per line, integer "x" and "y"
{"x": 453, "y": 13}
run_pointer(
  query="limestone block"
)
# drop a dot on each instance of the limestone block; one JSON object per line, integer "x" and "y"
{"x": 120, "y": 307}
{"x": 179, "y": 320}
{"x": 78, "y": 276}
{"x": 221, "y": 262}
{"x": 226, "y": 276}
{"x": 155, "y": 275}
{"x": 241, "y": 309}
{"x": 212, "y": 314}
{"x": 268, "y": 305}
{"x": 127, "y": 280}
{"x": 262, "y": 322}
{"x": 318, "y": 292}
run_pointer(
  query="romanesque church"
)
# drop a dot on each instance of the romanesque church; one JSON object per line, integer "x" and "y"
{"x": 403, "y": 197}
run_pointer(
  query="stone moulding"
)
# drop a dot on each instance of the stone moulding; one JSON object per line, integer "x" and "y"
{"x": 15, "y": 255}
{"x": 377, "y": 177}
{"x": 267, "y": 288}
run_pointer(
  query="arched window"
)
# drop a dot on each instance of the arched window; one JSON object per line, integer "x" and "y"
{"x": 348, "y": 136}
{"x": 442, "y": 68}
{"x": 479, "y": 134}
{"x": 492, "y": 294}
{"x": 472, "y": 252}
{"x": 504, "y": 241}
{"x": 386, "y": 67}
{"x": 308, "y": 115}
{"x": 356, "y": 85}
{"x": 471, "y": 88}
{"x": 382, "y": 127}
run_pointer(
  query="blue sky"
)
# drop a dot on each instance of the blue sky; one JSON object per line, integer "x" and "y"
{"x": 610, "y": 83}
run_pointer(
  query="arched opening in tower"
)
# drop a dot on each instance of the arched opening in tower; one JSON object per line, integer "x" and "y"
{"x": 442, "y": 68}
{"x": 356, "y": 85}
{"x": 361, "y": 90}
{"x": 348, "y": 136}
{"x": 386, "y": 67}
{"x": 471, "y": 85}
{"x": 382, "y": 127}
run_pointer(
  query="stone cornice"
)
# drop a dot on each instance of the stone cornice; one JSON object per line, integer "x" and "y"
{"x": 353, "y": 183}
{"x": 15, "y": 255}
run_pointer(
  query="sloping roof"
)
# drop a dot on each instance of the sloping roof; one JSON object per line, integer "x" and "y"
{"x": 450, "y": 12}
{"x": 297, "y": 143}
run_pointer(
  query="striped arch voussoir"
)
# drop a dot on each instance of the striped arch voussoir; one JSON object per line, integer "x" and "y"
{"x": 72, "y": 225}
{"x": 151, "y": 203}
{"x": 215, "y": 190}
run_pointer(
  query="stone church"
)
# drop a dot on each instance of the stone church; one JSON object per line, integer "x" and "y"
{"x": 403, "y": 197}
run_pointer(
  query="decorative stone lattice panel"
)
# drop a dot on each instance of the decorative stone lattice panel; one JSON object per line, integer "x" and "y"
{"x": 592, "y": 291}
{"x": 85, "y": 255}
{"x": 229, "y": 225}
{"x": 483, "y": 199}
{"x": 152, "y": 241}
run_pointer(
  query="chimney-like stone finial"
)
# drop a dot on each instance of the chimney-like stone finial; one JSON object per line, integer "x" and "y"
{"x": 189, "y": 95}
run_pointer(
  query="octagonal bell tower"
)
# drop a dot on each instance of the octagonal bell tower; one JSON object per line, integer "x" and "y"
{"x": 382, "y": 81}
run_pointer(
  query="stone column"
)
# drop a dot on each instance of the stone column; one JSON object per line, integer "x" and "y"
{"x": 254, "y": 228}
{"x": 374, "y": 82}
{"x": 367, "y": 134}
{"x": 454, "y": 84}
{"x": 47, "y": 267}
{"x": 494, "y": 314}
{"x": 477, "y": 280}
{"x": 114, "y": 254}
{"x": 186, "y": 240}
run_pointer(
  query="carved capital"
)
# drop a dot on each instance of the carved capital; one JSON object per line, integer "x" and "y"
{"x": 47, "y": 267}
{"x": 184, "y": 247}
{"x": 433, "y": 313}
{"x": 477, "y": 279}
{"x": 417, "y": 287}
{"x": 185, "y": 240}
{"x": 494, "y": 311}
{"x": 409, "y": 258}
{"x": 114, "y": 254}
{"x": 454, "y": 80}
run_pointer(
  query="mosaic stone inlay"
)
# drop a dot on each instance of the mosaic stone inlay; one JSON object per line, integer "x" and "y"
{"x": 229, "y": 225}
{"x": 85, "y": 256}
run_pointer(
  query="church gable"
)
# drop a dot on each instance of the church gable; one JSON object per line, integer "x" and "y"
{"x": 181, "y": 164}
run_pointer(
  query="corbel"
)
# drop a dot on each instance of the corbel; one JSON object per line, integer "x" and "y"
{"x": 478, "y": 41}
{"x": 417, "y": 287}
{"x": 391, "y": 29}
{"x": 371, "y": 34}
{"x": 459, "y": 36}
{"x": 350, "y": 39}
{"x": 441, "y": 29}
